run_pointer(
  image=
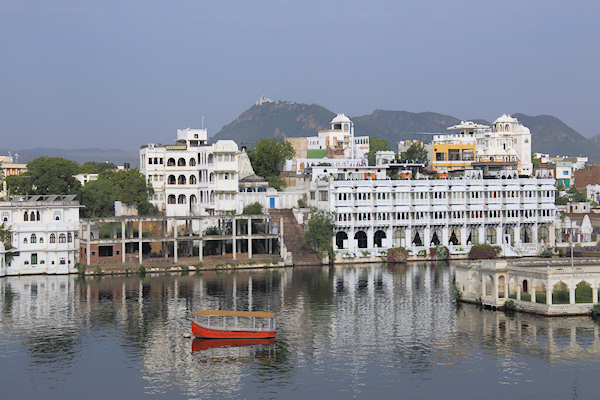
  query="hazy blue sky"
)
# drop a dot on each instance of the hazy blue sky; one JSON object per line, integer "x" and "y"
{"x": 120, "y": 73}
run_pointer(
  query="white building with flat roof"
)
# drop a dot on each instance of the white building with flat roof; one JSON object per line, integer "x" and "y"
{"x": 373, "y": 215}
{"x": 43, "y": 233}
{"x": 192, "y": 177}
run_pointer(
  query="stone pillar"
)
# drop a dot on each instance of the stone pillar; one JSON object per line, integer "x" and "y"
{"x": 281, "y": 237}
{"x": 506, "y": 293}
{"x": 519, "y": 286}
{"x": 594, "y": 294}
{"x": 249, "y": 239}
{"x": 88, "y": 245}
{"x": 174, "y": 240}
{"x": 140, "y": 241}
{"x": 571, "y": 295}
{"x": 234, "y": 235}
{"x": 532, "y": 291}
{"x": 123, "y": 242}
{"x": 200, "y": 242}
{"x": 483, "y": 293}
{"x": 548, "y": 295}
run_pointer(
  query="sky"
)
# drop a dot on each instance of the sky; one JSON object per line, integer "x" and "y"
{"x": 117, "y": 74}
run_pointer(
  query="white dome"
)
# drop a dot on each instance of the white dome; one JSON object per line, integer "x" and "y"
{"x": 340, "y": 118}
{"x": 226, "y": 146}
{"x": 504, "y": 119}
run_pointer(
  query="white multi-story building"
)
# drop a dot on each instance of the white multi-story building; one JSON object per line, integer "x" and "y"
{"x": 339, "y": 140}
{"x": 192, "y": 177}
{"x": 376, "y": 214}
{"x": 43, "y": 234}
{"x": 506, "y": 141}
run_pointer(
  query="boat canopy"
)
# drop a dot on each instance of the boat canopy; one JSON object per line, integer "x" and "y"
{"x": 227, "y": 313}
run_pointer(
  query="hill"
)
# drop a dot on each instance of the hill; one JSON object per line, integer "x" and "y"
{"x": 273, "y": 119}
{"x": 549, "y": 134}
{"x": 118, "y": 157}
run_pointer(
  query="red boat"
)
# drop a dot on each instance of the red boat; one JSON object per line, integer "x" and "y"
{"x": 215, "y": 324}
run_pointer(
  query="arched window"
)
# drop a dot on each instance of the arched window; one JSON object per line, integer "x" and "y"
{"x": 398, "y": 239}
{"x": 181, "y": 199}
{"x": 33, "y": 238}
{"x": 378, "y": 238}
{"x": 526, "y": 234}
{"x": 543, "y": 234}
{"x": 32, "y": 216}
{"x": 339, "y": 239}
{"x": 181, "y": 180}
{"x": 490, "y": 235}
{"x": 192, "y": 162}
{"x": 171, "y": 162}
{"x": 192, "y": 179}
{"x": 25, "y": 216}
{"x": 171, "y": 180}
{"x": 38, "y": 215}
{"x": 181, "y": 162}
{"x": 509, "y": 235}
{"x": 62, "y": 238}
{"x": 24, "y": 240}
{"x": 52, "y": 238}
{"x": 171, "y": 199}
{"x": 418, "y": 237}
{"x": 436, "y": 237}
{"x": 473, "y": 236}
{"x": 69, "y": 237}
{"x": 362, "y": 239}
{"x": 41, "y": 240}
{"x": 454, "y": 237}
{"x": 193, "y": 199}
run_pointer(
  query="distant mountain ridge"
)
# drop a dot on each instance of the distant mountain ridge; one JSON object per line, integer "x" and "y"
{"x": 118, "y": 157}
{"x": 288, "y": 119}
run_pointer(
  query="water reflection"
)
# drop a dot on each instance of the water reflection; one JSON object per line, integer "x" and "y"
{"x": 360, "y": 331}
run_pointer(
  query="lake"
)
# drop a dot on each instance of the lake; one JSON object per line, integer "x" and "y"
{"x": 366, "y": 332}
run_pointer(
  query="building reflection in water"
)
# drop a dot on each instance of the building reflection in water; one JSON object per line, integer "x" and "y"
{"x": 336, "y": 321}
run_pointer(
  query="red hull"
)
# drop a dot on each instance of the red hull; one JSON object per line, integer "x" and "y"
{"x": 201, "y": 332}
{"x": 203, "y": 344}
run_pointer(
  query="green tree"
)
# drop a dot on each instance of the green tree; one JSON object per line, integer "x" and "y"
{"x": 45, "y": 176}
{"x": 93, "y": 167}
{"x": 128, "y": 186}
{"x": 319, "y": 233}
{"x": 376, "y": 144}
{"x": 417, "y": 153}
{"x": 268, "y": 156}
{"x": 253, "y": 209}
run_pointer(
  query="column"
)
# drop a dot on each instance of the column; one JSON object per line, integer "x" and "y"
{"x": 571, "y": 295}
{"x": 140, "y": 241}
{"x": 200, "y": 242}
{"x": 281, "y": 239}
{"x": 594, "y": 294}
{"x": 249, "y": 239}
{"x": 88, "y": 245}
{"x": 123, "y": 242}
{"x": 174, "y": 240}
{"x": 548, "y": 295}
{"x": 532, "y": 290}
{"x": 519, "y": 285}
{"x": 234, "y": 234}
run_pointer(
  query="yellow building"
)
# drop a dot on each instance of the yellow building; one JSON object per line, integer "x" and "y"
{"x": 455, "y": 151}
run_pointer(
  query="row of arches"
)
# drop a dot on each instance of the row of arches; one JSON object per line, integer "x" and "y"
{"x": 537, "y": 291}
{"x": 436, "y": 236}
{"x": 204, "y": 197}
{"x": 62, "y": 238}
{"x": 191, "y": 180}
{"x": 182, "y": 162}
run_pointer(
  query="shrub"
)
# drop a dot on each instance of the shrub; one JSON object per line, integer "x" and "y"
{"x": 422, "y": 253}
{"x": 596, "y": 311}
{"x": 439, "y": 253}
{"x": 80, "y": 268}
{"x": 142, "y": 269}
{"x": 397, "y": 254}
{"x": 510, "y": 305}
{"x": 301, "y": 203}
{"x": 546, "y": 253}
{"x": 482, "y": 251}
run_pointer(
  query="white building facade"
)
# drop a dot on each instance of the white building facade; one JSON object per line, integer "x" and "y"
{"x": 374, "y": 215}
{"x": 43, "y": 234}
{"x": 192, "y": 177}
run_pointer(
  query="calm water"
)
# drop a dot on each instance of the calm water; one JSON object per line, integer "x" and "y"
{"x": 352, "y": 332}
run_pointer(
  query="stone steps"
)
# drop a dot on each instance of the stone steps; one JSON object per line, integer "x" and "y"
{"x": 293, "y": 237}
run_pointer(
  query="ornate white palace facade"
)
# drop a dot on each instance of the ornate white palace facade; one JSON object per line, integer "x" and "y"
{"x": 43, "y": 234}
{"x": 375, "y": 214}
